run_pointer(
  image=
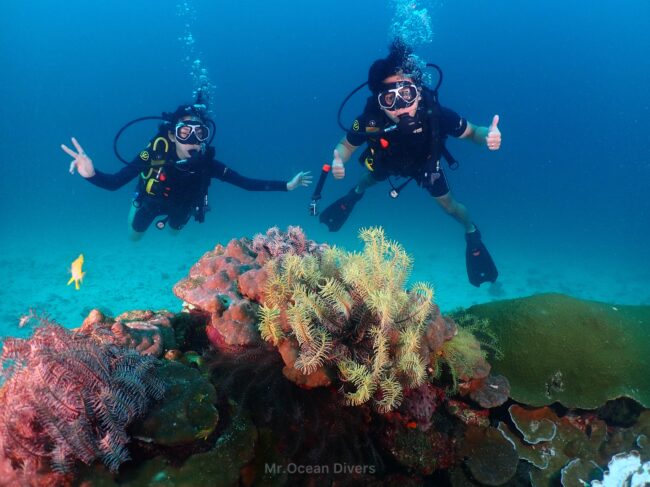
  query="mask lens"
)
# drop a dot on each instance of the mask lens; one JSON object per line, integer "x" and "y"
{"x": 387, "y": 99}
{"x": 202, "y": 132}
{"x": 408, "y": 93}
{"x": 183, "y": 132}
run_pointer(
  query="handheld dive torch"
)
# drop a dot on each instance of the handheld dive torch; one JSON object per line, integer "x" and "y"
{"x": 313, "y": 210}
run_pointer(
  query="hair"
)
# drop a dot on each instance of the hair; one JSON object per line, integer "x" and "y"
{"x": 399, "y": 60}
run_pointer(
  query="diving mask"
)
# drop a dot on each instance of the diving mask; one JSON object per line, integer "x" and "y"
{"x": 403, "y": 95}
{"x": 191, "y": 132}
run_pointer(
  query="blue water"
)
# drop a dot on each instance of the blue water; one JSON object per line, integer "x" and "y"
{"x": 563, "y": 205}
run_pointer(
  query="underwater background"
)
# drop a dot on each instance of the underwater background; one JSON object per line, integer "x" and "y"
{"x": 563, "y": 206}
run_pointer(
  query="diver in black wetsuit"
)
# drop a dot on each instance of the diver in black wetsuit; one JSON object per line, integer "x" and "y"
{"x": 174, "y": 172}
{"x": 410, "y": 128}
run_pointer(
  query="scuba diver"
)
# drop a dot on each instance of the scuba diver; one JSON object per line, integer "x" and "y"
{"x": 174, "y": 171}
{"x": 405, "y": 129}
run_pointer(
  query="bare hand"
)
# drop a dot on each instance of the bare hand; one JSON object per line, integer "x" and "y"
{"x": 82, "y": 163}
{"x": 300, "y": 179}
{"x": 338, "y": 169}
{"x": 493, "y": 139}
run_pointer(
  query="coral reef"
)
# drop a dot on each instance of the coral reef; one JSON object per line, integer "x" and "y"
{"x": 625, "y": 469}
{"x": 335, "y": 315}
{"x": 573, "y": 446}
{"x": 146, "y": 331}
{"x": 67, "y": 398}
{"x": 275, "y": 243}
{"x": 226, "y": 284}
{"x": 490, "y": 458}
{"x": 186, "y": 414}
{"x": 346, "y": 329}
{"x": 578, "y": 353}
{"x": 352, "y": 311}
{"x": 420, "y": 403}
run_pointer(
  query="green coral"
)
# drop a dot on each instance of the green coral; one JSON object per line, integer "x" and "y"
{"x": 578, "y": 353}
{"x": 351, "y": 310}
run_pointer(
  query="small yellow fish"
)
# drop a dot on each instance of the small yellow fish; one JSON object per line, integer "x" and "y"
{"x": 75, "y": 270}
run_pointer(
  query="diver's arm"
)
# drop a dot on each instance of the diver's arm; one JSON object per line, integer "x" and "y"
{"x": 345, "y": 149}
{"x": 222, "y": 172}
{"x": 86, "y": 169}
{"x": 115, "y": 181}
{"x": 489, "y": 136}
{"x": 342, "y": 153}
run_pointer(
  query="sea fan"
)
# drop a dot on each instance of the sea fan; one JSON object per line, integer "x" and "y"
{"x": 67, "y": 397}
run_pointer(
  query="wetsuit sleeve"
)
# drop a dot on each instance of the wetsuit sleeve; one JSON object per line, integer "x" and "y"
{"x": 117, "y": 180}
{"x": 359, "y": 125}
{"x": 451, "y": 123}
{"x": 223, "y": 173}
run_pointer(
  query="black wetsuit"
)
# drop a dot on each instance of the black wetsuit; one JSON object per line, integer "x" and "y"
{"x": 176, "y": 190}
{"x": 407, "y": 155}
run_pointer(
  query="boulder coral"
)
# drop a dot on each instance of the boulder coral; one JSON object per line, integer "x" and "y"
{"x": 578, "y": 353}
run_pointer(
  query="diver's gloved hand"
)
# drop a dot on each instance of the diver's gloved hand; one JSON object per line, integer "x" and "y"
{"x": 82, "y": 163}
{"x": 300, "y": 179}
{"x": 493, "y": 139}
{"x": 338, "y": 169}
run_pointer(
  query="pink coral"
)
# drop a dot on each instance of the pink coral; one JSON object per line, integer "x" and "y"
{"x": 276, "y": 243}
{"x": 146, "y": 331}
{"x": 67, "y": 397}
{"x": 227, "y": 284}
{"x": 490, "y": 391}
{"x": 420, "y": 404}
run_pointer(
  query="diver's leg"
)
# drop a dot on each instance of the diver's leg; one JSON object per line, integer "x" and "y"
{"x": 140, "y": 217}
{"x": 435, "y": 182}
{"x": 456, "y": 210}
{"x": 366, "y": 181}
{"x": 178, "y": 218}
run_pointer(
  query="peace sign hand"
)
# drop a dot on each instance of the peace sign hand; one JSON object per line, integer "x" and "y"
{"x": 82, "y": 163}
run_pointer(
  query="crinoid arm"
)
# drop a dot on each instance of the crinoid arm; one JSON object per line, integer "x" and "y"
{"x": 410, "y": 362}
{"x": 336, "y": 296}
{"x": 269, "y": 326}
{"x": 359, "y": 376}
{"x": 301, "y": 325}
{"x": 314, "y": 355}
{"x": 390, "y": 391}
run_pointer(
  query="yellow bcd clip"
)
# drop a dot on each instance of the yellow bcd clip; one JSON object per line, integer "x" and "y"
{"x": 370, "y": 160}
{"x": 149, "y": 185}
{"x": 159, "y": 161}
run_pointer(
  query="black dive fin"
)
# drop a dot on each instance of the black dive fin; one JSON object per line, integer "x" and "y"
{"x": 480, "y": 266}
{"x": 335, "y": 215}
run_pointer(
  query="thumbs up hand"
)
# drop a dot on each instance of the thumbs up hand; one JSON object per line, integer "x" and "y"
{"x": 493, "y": 138}
{"x": 338, "y": 169}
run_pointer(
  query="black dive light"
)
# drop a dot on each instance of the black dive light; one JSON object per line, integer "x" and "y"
{"x": 313, "y": 209}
